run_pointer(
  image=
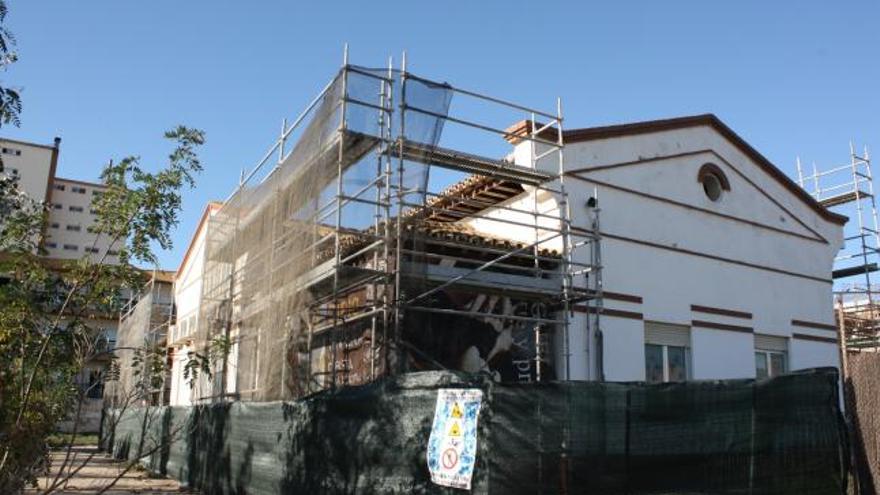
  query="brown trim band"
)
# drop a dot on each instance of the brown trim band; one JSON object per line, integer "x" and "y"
{"x": 710, "y": 120}
{"x": 637, "y": 162}
{"x": 812, "y": 324}
{"x": 616, "y": 313}
{"x": 817, "y": 238}
{"x": 814, "y": 338}
{"x": 721, "y": 311}
{"x": 618, "y": 296}
{"x": 721, "y": 326}
{"x": 713, "y": 257}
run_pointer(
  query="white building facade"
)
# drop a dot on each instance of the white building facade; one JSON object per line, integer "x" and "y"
{"x": 71, "y": 215}
{"x": 187, "y": 297}
{"x": 67, "y": 235}
{"x": 715, "y": 264}
{"x": 34, "y": 164}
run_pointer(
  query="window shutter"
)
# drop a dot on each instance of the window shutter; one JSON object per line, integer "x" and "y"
{"x": 667, "y": 334}
{"x": 771, "y": 343}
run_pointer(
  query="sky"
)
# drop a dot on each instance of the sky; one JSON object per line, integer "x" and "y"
{"x": 109, "y": 77}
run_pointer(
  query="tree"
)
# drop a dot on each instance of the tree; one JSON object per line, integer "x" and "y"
{"x": 10, "y": 99}
{"x": 45, "y": 333}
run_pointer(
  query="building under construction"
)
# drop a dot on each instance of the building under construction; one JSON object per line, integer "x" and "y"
{"x": 361, "y": 245}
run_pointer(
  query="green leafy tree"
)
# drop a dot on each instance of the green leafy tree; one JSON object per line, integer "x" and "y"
{"x": 10, "y": 99}
{"x": 47, "y": 334}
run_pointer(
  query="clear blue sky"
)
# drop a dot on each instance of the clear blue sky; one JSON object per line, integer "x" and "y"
{"x": 793, "y": 78}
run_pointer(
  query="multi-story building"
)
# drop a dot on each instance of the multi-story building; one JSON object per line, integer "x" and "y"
{"x": 67, "y": 236}
{"x": 71, "y": 212}
{"x": 34, "y": 164}
{"x": 71, "y": 215}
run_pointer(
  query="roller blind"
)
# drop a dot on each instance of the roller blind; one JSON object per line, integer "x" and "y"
{"x": 667, "y": 334}
{"x": 771, "y": 343}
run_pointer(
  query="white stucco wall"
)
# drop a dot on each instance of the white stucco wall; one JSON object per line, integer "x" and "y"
{"x": 760, "y": 250}
{"x": 187, "y": 294}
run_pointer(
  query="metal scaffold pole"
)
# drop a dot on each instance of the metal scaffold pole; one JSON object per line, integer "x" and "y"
{"x": 343, "y": 253}
{"x": 849, "y": 189}
{"x": 334, "y": 332}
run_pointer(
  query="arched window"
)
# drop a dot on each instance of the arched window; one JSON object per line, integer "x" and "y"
{"x": 713, "y": 180}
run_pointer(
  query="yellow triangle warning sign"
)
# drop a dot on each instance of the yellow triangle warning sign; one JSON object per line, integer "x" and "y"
{"x": 455, "y": 431}
{"x": 456, "y": 411}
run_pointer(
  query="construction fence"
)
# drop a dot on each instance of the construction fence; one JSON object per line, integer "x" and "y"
{"x": 776, "y": 436}
{"x": 863, "y": 404}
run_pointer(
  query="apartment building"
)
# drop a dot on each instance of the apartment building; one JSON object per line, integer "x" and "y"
{"x": 71, "y": 201}
{"x": 71, "y": 215}
{"x": 67, "y": 236}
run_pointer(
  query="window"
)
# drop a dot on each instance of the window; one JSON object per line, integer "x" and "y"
{"x": 713, "y": 180}
{"x": 71, "y": 247}
{"x": 112, "y": 252}
{"x": 14, "y": 172}
{"x": 51, "y": 245}
{"x": 78, "y": 209}
{"x": 54, "y": 225}
{"x": 78, "y": 190}
{"x": 771, "y": 356}
{"x": 74, "y": 228}
{"x": 93, "y": 211}
{"x": 57, "y": 206}
{"x": 11, "y": 151}
{"x": 667, "y": 352}
{"x": 59, "y": 187}
{"x": 92, "y": 249}
{"x": 97, "y": 193}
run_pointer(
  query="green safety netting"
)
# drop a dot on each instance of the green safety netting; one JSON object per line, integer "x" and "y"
{"x": 777, "y": 436}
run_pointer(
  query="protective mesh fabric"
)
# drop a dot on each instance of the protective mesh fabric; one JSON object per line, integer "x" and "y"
{"x": 302, "y": 247}
{"x": 143, "y": 326}
{"x": 863, "y": 402}
{"x": 779, "y": 436}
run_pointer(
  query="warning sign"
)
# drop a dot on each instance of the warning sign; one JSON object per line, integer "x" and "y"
{"x": 455, "y": 431}
{"x": 452, "y": 446}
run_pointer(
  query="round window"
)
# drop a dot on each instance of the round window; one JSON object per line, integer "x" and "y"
{"x": 713, "y": 180}
{"x": 712, "y": 186}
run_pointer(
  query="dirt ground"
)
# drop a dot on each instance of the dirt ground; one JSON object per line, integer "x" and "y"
{"x": 100, "y": 471}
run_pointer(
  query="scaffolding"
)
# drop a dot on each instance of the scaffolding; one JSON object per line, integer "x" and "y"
{"x": 144, "y": 323}
{"x": 362, "y": 245}
{"x": 849, "y": 190}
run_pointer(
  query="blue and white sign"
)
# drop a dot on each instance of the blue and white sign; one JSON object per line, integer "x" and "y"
{"x": 452, "y": 446}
